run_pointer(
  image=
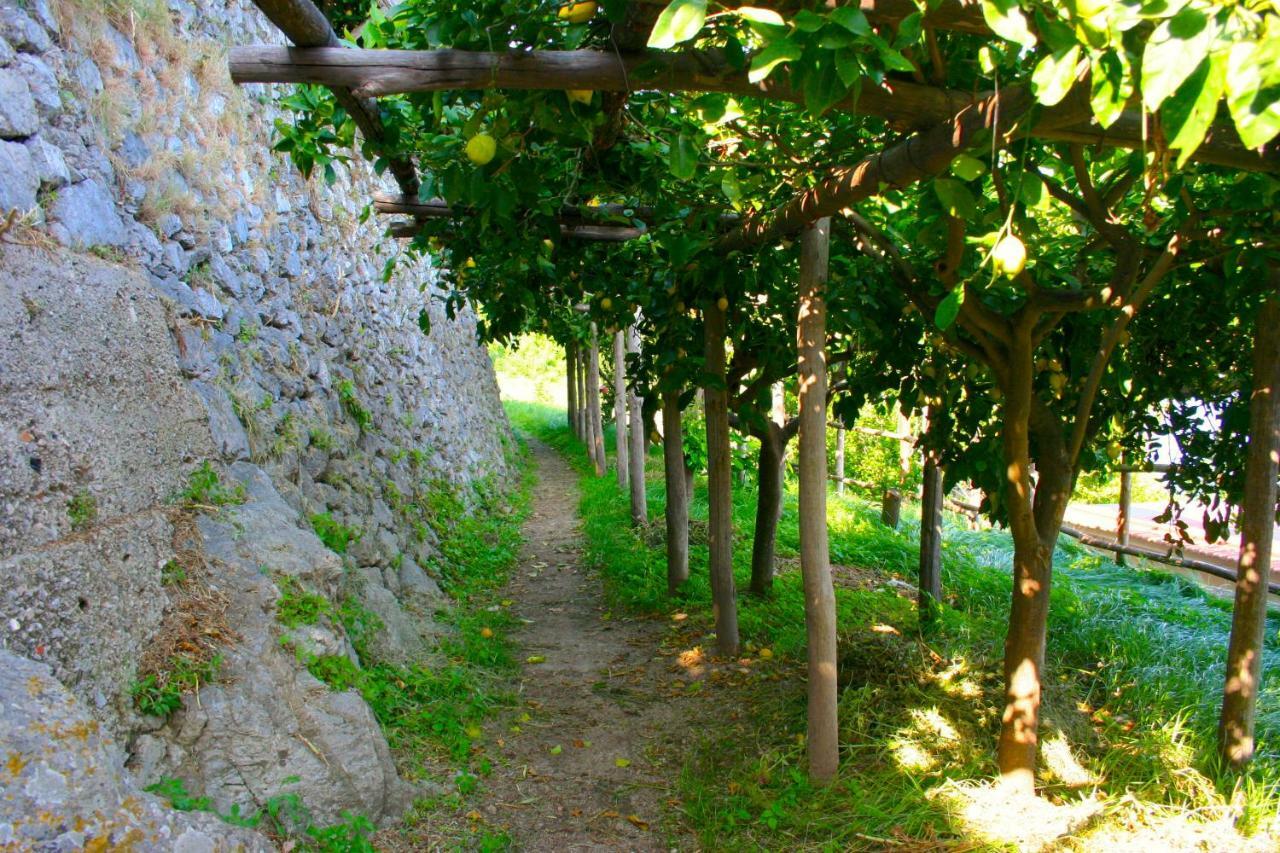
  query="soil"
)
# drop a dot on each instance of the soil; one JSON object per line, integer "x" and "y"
{"x": 593, "y": 698}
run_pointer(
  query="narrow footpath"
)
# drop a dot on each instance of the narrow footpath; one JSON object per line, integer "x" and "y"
{"x": 590, "y": 765}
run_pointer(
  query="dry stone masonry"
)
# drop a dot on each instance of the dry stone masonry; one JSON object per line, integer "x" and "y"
{"x": 176, "y": 298}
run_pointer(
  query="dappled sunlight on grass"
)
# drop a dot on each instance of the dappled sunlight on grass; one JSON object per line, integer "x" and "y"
{"x": 1134, "y": 673}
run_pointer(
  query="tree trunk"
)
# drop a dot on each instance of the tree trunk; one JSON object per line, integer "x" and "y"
{"x": 571, "y": 380}
{"x": 620, "y": 407}
{"x": 639, "y": 441}
{"x": 593, "y": 404}
{"x": 840, "y": 439}
{"x": 1257, "y": 513}
{"x": 1034, "y": 522}
{"x": 815, "y": 567}
{"x": 677, "y": 492}
{"x": 719, "y": 488}
{"x": 768, "y": 510}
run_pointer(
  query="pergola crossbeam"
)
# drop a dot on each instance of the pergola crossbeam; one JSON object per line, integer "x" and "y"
{"x": 408, "y": 229}
{"x": 905, "y": 105}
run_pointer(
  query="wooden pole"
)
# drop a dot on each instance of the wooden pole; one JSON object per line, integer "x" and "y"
{"x": 719, "y": 487}
{"x": 815, "y": 567}
{"x": 677, "y": 512}
{"x": 365, "y": 74}
{"x": 581, "y": 414}
{"x": 1126, "y": 508}
{"x": 638, "y": 441}
{"x": 840, "y": 440}
{"x": 593, "y": 404}
{"x": 620, "y": 407}
{"x": 1257, "y": 525}
{"x": 307, "y": 27}
{"x": 571, "y": 380}
{"x": 930, "y": 591}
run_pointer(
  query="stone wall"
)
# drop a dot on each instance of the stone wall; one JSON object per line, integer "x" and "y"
{"x": 172, "y": 292}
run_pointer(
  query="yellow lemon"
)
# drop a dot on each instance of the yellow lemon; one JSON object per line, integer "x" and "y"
{"x": 481, "y": 148}
{"x": 486, "y": 632}
{"x": 580, "y": 96}
{"x": 577, "y": 13}
{"x": 722, "y": 303}
{"x": 1009, "y": 256}
{"x": 606, "y": 304}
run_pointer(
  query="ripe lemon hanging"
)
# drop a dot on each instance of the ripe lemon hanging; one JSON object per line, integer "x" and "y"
{"x": 580, "y": 96}
{"x": 606, "y": 304}
{"x": 722, "y": 303}
{"x": 1009, "y": 257}
{"x": 577, "y": 13}
{"x": 481, "y": 148}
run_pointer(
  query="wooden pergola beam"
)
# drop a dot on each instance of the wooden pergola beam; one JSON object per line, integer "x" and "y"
{"x": 905, "y": 105}
{"x": 388, "y": 72}
{"x": 307, "y": 27}
{"x": 438, "y": 208}
{"x": 407, "y": 230}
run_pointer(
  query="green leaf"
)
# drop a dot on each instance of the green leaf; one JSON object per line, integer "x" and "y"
{"x": 808, "y": 22}
{"x": 683, "y": 160}
{"x": 955, "y": 197}
{"x": 424, "y": 321}
{"x": 1253, "y": 90}
{"x": 822, "y": 88}
{"x": 1111, "y": 85}
{"x": 852, "y": 19}
{"x": 949, "y": 308}
{"x": 679, "y": 22}
{"x": 1054, "y": 75}
{"x": 1175, "y": 49}
{"x": 1006, "y": 19}
{"x": 760, "y": 16}
{"x": 775, "y": 53}
{"x": 1188, "y": 114}
{"x": 849, "y": 67}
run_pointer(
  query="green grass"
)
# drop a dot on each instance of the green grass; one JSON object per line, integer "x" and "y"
{"x": 433, "y": 713}
{"x": 1134, "y": 679}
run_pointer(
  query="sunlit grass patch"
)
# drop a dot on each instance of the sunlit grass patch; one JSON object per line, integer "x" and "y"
{"x": 1133, "y": 683}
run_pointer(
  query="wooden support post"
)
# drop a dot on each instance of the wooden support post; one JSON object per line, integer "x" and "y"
{"x": 1257, "y": 520}
{"x": 719, "y": 487}
{"x": 815, "y": 567}
{"x": 906, "y": 449}
{"x": 932, "y": 494}
{"x": 581, "y": 414}
{"x": 593, "y": 404}
{"x": 571, "y": 380}
{"x": 638, "y": 442}
{"x": 1122, "y": 519}
{"x": 840, "y": 439}
{"x": 620, "y": 407}
{"x": 677, "y": 513}
{"x": 891, "y": 508}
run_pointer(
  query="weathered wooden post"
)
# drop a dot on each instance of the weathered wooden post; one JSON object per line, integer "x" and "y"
{"x": 677, "y": 513}
{"x": 719, "y": 485}
{"x": 840, "y": 439}
{"x": 620, "y": 407}
{"x": 1257, "y": 520}
{"x": 930, "y": 589}
{"x": 891, "y": 508}
{"x": 638, "y": 441}
{"x": 593, "y": 400}
{"x": 815, "y": 567}
{"x": 1126, "y": 506}
{"x": 571, "y": 380}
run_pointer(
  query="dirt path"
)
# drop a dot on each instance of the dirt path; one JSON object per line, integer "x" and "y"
{"x": 586, "y": 770}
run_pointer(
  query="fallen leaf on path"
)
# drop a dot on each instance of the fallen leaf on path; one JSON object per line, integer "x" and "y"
{"x": 582, "y": 744}
{"x": 679, "y": 617}
{"x": 474, "y": 815}
{"x": 506, "y": 602}
{"x": 622, "y": 762}
{"x": 557, "y": 749}
{"x": 536, "y": 659}
{"x": 766, "y": 653}
{"x": 637, "y": 822}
